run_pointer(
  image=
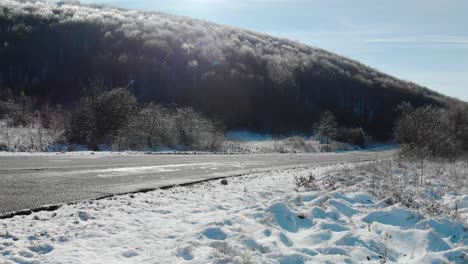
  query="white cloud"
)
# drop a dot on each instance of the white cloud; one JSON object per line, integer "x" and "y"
{"x": 432, "y": 39}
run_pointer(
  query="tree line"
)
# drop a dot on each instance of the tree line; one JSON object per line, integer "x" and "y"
{"x": 113, "y": 117}
{"x": 105, "y": 117}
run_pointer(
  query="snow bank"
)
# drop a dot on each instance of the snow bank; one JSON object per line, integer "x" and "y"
{"x": 260, "y": 218}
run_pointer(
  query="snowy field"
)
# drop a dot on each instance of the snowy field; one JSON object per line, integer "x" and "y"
{"x": 363, "y": 213}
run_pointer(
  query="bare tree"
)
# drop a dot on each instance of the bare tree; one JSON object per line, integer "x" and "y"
{"x": 100, "y": 115}
{"x": 151, "y": 127}
{"x": 424, "y": 133}
{"x": 180, "y": 128}
{"x": 458, "y": 116}
{"x": 327, "y": 128}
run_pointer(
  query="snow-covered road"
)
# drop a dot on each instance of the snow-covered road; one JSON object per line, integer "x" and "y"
{"x": 29, "y": 181}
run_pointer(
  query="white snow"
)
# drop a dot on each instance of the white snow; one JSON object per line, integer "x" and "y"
{"x": 259, "y": 218}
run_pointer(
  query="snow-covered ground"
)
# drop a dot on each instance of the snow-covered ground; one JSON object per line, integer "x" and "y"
{"x": 367, "y": 213}
{"x": 286, "y": 145}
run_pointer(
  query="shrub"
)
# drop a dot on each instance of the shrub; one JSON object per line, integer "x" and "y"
{"x": 99, "y": 116}
{"x": 354, "y": 136}
{"x": 304, "y": 182}
{"x": 458, "y": 116}
{"x": 179, "y": 128}
{"x": 152, "y": 127}
{"x": 17, "y": 110}
{"x": 196, "y": 131}
{"x": 427, "y": 132}
{"x": 33, "y": 137}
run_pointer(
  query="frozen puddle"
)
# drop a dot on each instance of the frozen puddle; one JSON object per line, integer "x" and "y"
{"x": 260, "y": 218}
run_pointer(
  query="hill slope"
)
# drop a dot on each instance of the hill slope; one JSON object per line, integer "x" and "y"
{"x": 248, "y": 80}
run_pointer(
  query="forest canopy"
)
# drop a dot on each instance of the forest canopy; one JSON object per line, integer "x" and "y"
{"x": 245, "y": 79}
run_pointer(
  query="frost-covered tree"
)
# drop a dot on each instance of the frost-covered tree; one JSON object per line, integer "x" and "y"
{"x": 458, "y": 116}
{"x": 327, "y": 128}
{"x": 156, "y": 126}
{"x": 427, "y": 133}
{"x": 150, "y": 128}
{"x": 99, "y": 116}
{"x": 249, "y": 80}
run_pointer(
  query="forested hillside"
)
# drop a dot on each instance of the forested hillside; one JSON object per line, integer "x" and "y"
{"x": 245, "y": 79}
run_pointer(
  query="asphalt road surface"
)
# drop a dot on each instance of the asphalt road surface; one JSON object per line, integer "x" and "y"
{"x": 32, "y": 181}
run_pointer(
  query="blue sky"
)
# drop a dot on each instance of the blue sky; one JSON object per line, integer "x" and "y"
{"x": 424, "y": 41}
